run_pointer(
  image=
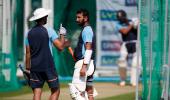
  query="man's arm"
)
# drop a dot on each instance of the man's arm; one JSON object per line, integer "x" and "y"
{"x": 87, "y": 36}
{"x": 28, "y": 57}
{"x": 88, "y": 46}
{"x": 125, "y": 30}
{"x": 59, "y": 43}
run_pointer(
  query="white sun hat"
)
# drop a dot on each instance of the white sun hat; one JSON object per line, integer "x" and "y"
{"x": 40, "y": 13}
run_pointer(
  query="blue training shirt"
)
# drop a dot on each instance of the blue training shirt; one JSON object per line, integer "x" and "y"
{"x": 41, "y": 56}
{"x": 52, "y": 36}
{"x": 132, "y": 34}
{"x": 87, "y": 36}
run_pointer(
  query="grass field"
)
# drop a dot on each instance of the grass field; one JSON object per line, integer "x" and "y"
{"x": 129, "y": 96}
{"x": 26, "y": 90}
{"x": 106, "y": 91}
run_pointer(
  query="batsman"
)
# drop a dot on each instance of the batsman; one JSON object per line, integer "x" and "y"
{"x": 81, "y": 87}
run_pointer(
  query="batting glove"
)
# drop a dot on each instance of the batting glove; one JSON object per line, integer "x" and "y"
{"x": 135, "y": 22}
{"x": 62, "y": 30}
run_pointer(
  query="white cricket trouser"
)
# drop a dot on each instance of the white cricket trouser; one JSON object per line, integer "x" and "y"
{"x": 122, "y": 62}
{"x": 79, "y": 83}
{"x": 79, "y": 80}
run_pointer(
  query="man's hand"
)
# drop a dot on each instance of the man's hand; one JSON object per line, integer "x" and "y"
{"x": 83, "y": 70}
{"x": 27, "y": 69}
{"x": 67, "y": 43}
{"x": 62, "y": 30}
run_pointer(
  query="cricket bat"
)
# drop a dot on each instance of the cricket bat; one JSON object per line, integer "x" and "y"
{"x": 25, "y": 73}
{"x": 71, "y": 52}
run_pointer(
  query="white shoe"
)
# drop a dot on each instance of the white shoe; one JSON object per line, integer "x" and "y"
{"x": 122, "y": 83}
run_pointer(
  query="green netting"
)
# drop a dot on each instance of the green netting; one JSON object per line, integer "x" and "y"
{"x": 166, "y": 64}
{"x": 8, "y": 79}
{"x": 154, "y": 45}
{"x": 34, "y": 4}
{"x": 65, "y": 12}
{"x": 20, "y": 29}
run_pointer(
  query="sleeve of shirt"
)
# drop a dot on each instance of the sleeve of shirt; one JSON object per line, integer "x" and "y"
{"x": 87, "y": 35}
{"x": 52, "y": 34}
{"x": 118, "y": 26}
{"x": 26, "y": 39}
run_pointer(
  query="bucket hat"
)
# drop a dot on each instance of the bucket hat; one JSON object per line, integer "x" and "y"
{"x": 40, "y": 13}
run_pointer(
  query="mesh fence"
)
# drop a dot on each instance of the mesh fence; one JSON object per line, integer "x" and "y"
{"x": 8, "y": 79}
{"x": 154, "y": 33}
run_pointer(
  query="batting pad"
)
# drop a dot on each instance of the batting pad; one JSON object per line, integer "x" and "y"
{"x": 80, "y": 81}
{"x": 90, "y": 67}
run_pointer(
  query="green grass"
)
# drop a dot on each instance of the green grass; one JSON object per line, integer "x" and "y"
{"x": 128, "y": 96}
{"x": 26, "y": 90}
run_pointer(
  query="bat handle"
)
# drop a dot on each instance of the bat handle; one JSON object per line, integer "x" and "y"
{"x": 71, "y": 52}
{"x": 20, "y": 66}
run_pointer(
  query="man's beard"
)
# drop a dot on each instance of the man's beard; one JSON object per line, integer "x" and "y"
{"x": 81, "y": 23}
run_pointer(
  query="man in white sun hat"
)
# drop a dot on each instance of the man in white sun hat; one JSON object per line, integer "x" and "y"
{"x": 39, "y": 59}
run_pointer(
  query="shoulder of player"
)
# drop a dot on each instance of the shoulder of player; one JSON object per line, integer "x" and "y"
{"x": 28, "y": 32}
{"x": 129, "y": 20}
{"x": 49, "y": 28}
{"x": 88, "y": 29}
